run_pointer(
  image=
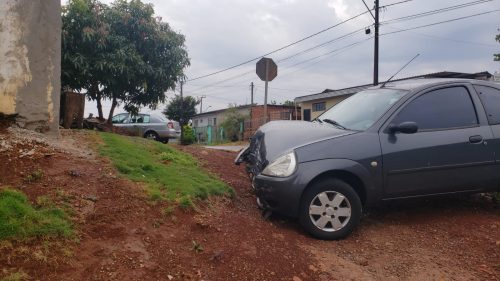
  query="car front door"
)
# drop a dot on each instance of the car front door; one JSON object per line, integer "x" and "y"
{"x": 448, "y": 153}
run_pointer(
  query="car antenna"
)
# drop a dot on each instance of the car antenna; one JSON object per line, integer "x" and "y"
{"x": 383, "y": 84}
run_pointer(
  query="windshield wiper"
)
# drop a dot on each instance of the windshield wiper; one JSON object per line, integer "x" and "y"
{"x": 335, "y": 123}
{"x": 317, "y": 119}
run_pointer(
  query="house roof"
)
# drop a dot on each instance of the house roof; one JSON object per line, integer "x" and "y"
{"x": 352, "y": 90}
{"x": 242, "y": 107}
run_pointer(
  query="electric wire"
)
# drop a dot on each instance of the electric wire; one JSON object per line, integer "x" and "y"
{"x": 279, "y": 49}
{"x": 436, "y": 11}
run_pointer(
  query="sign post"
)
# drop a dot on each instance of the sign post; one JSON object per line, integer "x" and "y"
{"x": 267, "y": 70}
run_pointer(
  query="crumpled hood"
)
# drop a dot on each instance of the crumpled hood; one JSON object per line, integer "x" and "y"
{"x": 280, "y": 137}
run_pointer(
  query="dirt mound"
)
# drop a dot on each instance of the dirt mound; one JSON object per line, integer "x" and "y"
{"x": 122, "y": 235}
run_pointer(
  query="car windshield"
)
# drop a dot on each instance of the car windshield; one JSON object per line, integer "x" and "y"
{"x": 361, "y": 110}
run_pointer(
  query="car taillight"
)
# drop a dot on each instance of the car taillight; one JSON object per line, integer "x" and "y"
{"x": 170, "y": 125}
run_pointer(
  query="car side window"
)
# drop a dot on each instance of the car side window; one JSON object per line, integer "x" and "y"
{"x": 440, "y": 109}
{"x": 120, "y": 119}
{"x": 490, "y": 97}
{"x": 145, "y": 118}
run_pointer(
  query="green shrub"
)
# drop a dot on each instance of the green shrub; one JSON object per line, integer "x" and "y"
{"x": 188, "y": 137}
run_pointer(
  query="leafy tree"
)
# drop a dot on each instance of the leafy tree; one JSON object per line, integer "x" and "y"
{"x": 137, "y": 57}
{"x": 497, "y": 56}
{"x": 83, "y": 46}
{"x": 232, "y": 121}
{"x": 289, "y": 103}
{"x": 181, "y": 111}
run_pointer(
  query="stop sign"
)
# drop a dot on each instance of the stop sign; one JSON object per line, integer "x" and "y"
{"x": 266, "y": 65}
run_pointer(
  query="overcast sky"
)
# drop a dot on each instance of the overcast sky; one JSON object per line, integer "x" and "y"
{"x": 223, "y": 33}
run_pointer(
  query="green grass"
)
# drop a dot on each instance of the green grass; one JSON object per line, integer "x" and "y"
{"x": 169, "y": 174}
{"x": 19, "y": 219}
{"x": 17, "y": 276}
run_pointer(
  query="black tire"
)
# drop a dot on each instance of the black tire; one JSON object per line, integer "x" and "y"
{"x": 152, "y": 135}
{"x": 331, "y": 188}
{"x": 165, "y": 140}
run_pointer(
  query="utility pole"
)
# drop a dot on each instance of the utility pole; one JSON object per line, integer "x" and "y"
{"x": 251, "y": 93}
{"x": 182, "y": 111}
{"x": 251, "y": 105}
{"x": 375, "y": 55}
{"x": 201, "y": 103}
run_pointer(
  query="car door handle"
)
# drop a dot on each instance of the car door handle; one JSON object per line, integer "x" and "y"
{"x": 476, "y": 139}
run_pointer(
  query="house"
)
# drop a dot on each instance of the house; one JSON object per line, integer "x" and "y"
{"x": 315, "y": 104}
{"x": 208, "y": 124}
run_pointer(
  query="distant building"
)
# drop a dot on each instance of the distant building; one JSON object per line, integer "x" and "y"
{"x": 314, "y": 105}
{"x": 208, "y": 124}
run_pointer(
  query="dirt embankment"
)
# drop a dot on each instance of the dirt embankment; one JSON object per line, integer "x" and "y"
{"x": 122, "y": 235}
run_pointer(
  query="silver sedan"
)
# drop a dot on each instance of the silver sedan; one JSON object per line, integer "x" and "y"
{"x": 149, "y": 126}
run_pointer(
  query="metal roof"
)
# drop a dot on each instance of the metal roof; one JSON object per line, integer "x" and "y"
{"x": 352, "y": 90}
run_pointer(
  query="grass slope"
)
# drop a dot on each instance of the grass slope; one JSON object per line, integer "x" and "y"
{"x": 170, "y": 175}
{"x": 19, "y": 219}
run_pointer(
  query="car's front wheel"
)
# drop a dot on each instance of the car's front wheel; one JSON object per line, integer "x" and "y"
{"x": 330, "y": 209}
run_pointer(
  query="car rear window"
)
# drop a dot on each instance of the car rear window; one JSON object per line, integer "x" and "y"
{"x": 490, "y": 97}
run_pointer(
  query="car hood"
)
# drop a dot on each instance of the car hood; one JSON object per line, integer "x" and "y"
{"x": 279, "y": 137}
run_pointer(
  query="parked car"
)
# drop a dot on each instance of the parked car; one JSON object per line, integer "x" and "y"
{"x": 400, "y": 140}
{"x": 149, "y": 126}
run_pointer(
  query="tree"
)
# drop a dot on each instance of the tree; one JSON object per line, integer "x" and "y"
{"x": 289, "y": 103}
{"x": 137, "y": 57}
{"x": 181, "y": 111}
{"x": 232, "y": 121}
{"x": 83, "y": 45}
{"x": 497, "y": 56}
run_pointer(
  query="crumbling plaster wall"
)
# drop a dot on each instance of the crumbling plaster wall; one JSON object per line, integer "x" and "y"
{"x": 30, "y": 62}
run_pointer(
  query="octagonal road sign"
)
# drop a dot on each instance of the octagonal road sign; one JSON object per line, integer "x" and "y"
{"x": 266, "y": 66}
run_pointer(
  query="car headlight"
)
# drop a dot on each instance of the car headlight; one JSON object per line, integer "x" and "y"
{"x": 284, "y": 166}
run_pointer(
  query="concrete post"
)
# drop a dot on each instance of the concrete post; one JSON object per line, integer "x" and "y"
{"x": 30, "y": 62}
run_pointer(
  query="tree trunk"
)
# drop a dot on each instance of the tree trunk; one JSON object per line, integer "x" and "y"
{"x": 95, "y": 94}
{"x": 99, "y": 106}
{"x": 112, "y": 110}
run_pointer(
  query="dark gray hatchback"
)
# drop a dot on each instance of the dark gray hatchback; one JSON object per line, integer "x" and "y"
{"x": 404, "y": 139}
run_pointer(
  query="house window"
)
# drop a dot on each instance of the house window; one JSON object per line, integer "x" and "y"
{"x": 319, "y": 106}
{"x": 215, "y": 121}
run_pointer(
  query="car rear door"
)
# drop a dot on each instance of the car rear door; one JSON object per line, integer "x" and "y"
{"x": 449, "y": 152}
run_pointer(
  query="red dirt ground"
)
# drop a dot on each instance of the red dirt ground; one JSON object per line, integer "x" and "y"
{"x": 121, "y": 235}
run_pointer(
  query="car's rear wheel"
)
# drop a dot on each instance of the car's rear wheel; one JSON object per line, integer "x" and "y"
{"x": 330, "y": 209}
{"x": 151, "y": 135}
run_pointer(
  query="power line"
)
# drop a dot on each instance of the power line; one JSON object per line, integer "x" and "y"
{"x": 322, "y": 44}
{"x": 279, "y": 49}
{"x": 284, "y": 59}
{"x": 296, "y": 42}
{"x": 345, "y": 47}
{"x": 392, "y": 4}
{"x": 441, "y": 22}
{"x": 436, "y": 11}
{"x": 448, "y": 39}
{"x": 326, "y": 55}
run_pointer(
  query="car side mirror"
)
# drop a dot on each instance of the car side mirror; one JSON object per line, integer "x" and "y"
{"x": 405, "y": 128}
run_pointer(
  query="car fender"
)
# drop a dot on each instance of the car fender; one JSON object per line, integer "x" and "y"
{"x": 314, "y": 170}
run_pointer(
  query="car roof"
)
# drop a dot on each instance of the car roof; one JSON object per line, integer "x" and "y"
{"x": 412, "y": 84}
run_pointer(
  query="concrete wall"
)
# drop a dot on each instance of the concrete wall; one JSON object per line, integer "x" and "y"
{"x": 30, "y": 62}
